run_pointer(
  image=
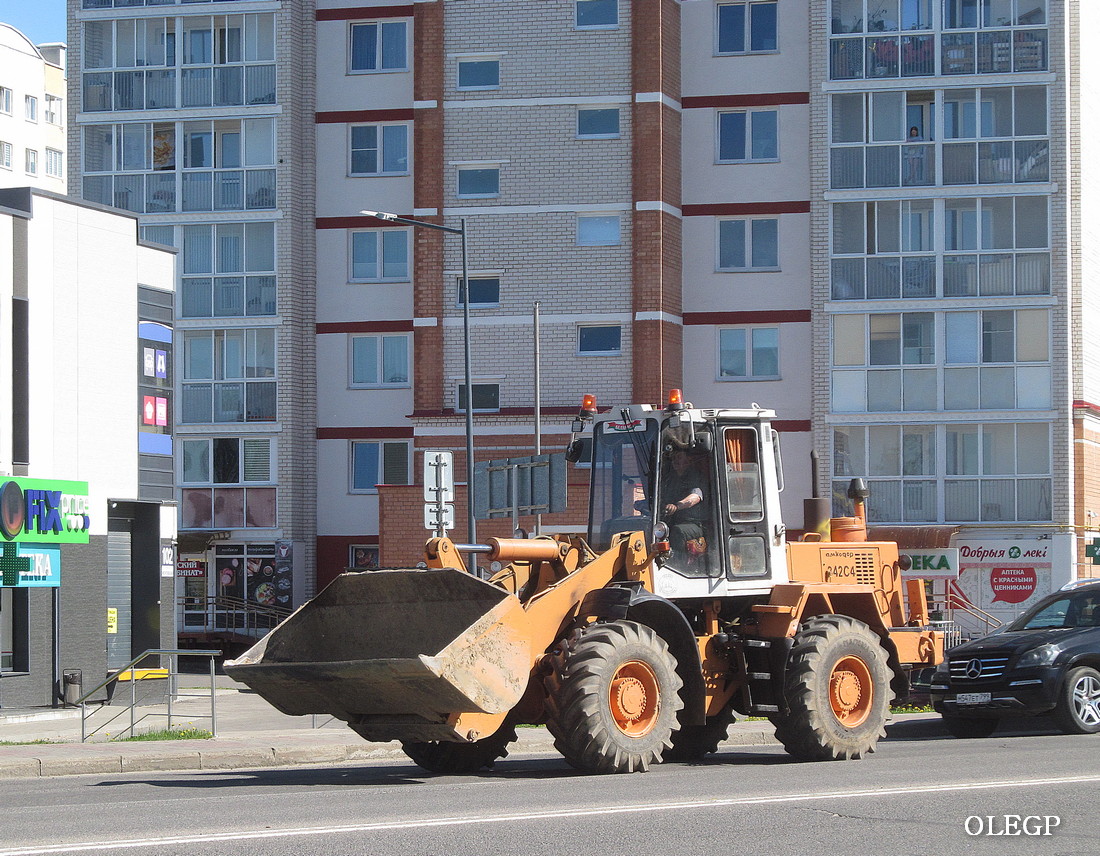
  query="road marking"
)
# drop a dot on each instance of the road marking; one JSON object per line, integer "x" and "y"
{"x": 298, "y": 832}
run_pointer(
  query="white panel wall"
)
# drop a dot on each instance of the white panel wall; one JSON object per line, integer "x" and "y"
{"x": 338, "y": 511}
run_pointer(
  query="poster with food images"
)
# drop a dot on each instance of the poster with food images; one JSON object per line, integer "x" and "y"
{"x": 284, "y": 574}
{"x": 260, "y": 571}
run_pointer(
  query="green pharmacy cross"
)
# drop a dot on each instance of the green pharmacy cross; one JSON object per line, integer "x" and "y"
{"x": 1092, "y": 551}
{"x": 12, "y": 564}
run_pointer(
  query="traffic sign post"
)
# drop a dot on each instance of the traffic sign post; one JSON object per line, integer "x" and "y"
{"x": 439, "y": 491}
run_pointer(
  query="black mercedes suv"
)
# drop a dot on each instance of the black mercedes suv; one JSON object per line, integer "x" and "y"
{"x": 1046, "y": 661}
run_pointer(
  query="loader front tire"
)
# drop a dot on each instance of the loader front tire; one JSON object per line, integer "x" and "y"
{"x": 837, "y": 691}
{"x": 461, "y": 759}
{"x": 612, "y": 697}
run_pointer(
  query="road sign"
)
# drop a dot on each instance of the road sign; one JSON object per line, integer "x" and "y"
{"x": 439, "y": 517}
{"x": 439, "y": 476}
{"x": 536, "y": 484}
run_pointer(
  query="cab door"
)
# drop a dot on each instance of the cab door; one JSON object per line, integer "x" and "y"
{"x": 742, "y": 507}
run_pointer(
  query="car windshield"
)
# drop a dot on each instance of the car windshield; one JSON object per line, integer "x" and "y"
{"x": 1069, "y": 611}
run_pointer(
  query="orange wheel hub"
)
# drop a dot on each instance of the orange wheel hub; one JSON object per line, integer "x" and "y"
{"x": 633, "y": 698}
{"x": 851, "y": 691}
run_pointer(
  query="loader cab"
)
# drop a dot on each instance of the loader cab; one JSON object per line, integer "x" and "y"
{"x": 712, "y": 478}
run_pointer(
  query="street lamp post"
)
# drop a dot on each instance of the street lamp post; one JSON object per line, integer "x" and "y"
{"x": 471, "y": 524}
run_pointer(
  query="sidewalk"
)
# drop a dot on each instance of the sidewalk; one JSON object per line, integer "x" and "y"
{"x": 251, "y": 734}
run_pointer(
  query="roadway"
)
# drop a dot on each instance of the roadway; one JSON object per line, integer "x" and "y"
{"x": 913, "y": 796}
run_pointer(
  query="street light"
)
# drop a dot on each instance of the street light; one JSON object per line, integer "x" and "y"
{"x": 471, "y": 525}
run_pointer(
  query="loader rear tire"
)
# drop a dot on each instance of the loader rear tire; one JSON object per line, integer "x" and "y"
{"x": 613, "y": 696}
{"x": 461, "y": 759}
{"x": 693, "y": 742}
{"x": 837, "y": 690}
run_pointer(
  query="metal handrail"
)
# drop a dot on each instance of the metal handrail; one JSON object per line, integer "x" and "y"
{"x": 256, "y": 616}
{"x": 173, "y": 655}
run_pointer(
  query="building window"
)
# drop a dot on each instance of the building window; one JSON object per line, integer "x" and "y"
{"x": 599, "y": 230}
{"x": 376, "y": 361}
{"x": 484, "y": 291}
{"x": 959, "y": 247}
{"x": 597, "y": 123}
{"x": 53, "y": 110}
{"x": 30, "y": 111}
{"x": 748, "y": 135}
{"x": 745, "y": 245}
{"x": 601, "y": 339}
{"x": 956, "y": 472}
{"x": 379, "y": 149}
{"x": 379, "y": 46}
{"x": 478, "y": 182}
{"x": 5, "y": 100}
{"x": 363, "y": 557}
{"x": 227, "y": 270}
{"x": 229, "y": 376}
{"x": 478, "y": 73}
{"x": 5, "y": 155}
{"x": 992, "y": 359}
{"x": 14, "y": 630}
{"x": 596, "y": 14}
{"x": 748, "y": 353}
{"x": 54, "y": 163}
{"x": 749, "y": 27}
{"x": 31, "y": 162}
{"x": 895, "y": 47}
{"x": 222, "y": 478}
{"x": 486, "y": 397}
{"x": 378, "y": 462}
{"x": 380, "y": 255}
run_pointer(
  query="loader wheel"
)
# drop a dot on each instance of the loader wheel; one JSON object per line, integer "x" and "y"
{"x": 693, "y": 742}
{"x": 837, "y": 690}
{"x": 460, "y": 759}
{"x": 612, "y": 697}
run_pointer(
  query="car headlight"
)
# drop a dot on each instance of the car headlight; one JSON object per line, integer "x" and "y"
{"x": 1044, "y": 655}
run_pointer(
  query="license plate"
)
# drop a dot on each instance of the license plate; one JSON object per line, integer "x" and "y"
{"x": 972, "y": 698}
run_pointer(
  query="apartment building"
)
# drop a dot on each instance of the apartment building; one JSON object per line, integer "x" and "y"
{"x": 32, "y": 112}
{"x": 198, "y": 117}
{"x": 868, "y": 215}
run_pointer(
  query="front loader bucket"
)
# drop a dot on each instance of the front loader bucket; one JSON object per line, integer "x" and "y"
{"x": 396, "y": 652}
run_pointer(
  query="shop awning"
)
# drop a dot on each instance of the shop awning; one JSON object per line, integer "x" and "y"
{"x": 198, "y": 542}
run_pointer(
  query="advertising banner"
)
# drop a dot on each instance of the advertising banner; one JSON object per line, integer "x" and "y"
{"x": 44, "y": 511}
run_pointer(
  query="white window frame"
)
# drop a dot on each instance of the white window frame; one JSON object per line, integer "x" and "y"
{"x": 497, "y": 275}
{"x": 381, "y": 68}
{"x": 54, "y": 158}
{"x": 380, "y": 147}
{"x": 30, "y": 108}
{"x": 614, "y": 352}
{"x": 53, "y": 112}
{"x": 749, "y": 113}
{"x": 749, "y": 266}
{"x": 30, "y": 161}
{"x": 599, "y": 243}
{"x": 464, "y": 58}
{"x": 746, "y": 7}
{"x": 381, "y": 446}
{"x": 380, "y": 352}
{"x": 470, "y": 166}
{"x": 577, "y": 5}
{"x": 5, "y": 155}
{"x": 618, "y": 123}
{"x": 750, "y": 374}
{"x": 5, "y": 100}
{"x": 272, "y": 472}
{"x": 380, "y": 264}
{"x": 476, "y": 382}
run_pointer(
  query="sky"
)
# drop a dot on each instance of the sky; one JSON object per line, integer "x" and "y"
{"x": 39, "y": 20}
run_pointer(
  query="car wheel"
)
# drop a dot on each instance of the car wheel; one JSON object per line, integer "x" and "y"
{"x": 966, "y": 728}
{"x": 1078, "y": 710}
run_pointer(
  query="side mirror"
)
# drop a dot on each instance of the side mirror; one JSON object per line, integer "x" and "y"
{"x": 579, "y": 450}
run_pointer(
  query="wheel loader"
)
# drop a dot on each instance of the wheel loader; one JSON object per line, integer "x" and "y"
{"x": 684, "y": 607}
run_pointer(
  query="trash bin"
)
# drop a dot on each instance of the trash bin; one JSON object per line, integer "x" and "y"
{"x": 72, "y": 683}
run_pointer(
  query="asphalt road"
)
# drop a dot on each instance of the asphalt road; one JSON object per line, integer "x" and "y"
{"x": 913, "y": 796}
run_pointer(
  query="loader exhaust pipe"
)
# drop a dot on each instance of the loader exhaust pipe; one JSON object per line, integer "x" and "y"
{"x": 817, "y": 510}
